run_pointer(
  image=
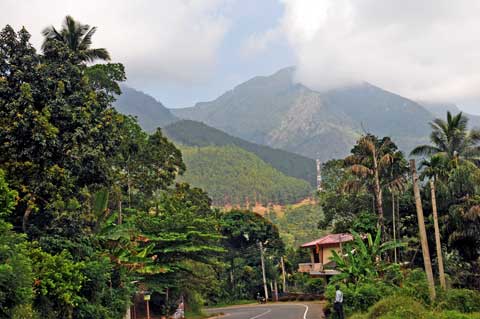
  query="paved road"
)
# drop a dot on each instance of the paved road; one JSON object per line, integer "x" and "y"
{"x": 272, "y": 311}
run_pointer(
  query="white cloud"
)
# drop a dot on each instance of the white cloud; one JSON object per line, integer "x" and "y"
{"x": 427, "y": 49}
{"x": 161, "y": 40}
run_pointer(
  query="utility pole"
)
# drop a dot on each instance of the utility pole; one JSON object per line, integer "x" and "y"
{"x": 319, "y": 174}
{"x": 423, "y": 233}
{"x": 263, "y": 271}
{"x": 282, "y": 263}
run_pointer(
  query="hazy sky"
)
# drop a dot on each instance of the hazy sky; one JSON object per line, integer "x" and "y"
{"x": 184, "y": 51}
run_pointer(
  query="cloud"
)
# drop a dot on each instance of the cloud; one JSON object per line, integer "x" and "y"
{"x": 427, "y": 49}
{"x": 158, "y": 41}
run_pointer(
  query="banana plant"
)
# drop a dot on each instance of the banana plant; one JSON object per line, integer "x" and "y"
{"x": 363, "y": 258}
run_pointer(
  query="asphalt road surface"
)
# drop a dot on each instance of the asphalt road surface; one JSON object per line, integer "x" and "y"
{"x": 272, "y": 311}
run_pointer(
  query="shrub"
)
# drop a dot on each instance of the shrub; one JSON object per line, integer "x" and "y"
{"x": 415, "y": 286}
{"x": 315, "y": 286}
{"x": 462, "y": 300}
{"x": 453, "y": 315}
{"x": 360, "y": 297}
{"x": 394, "y": 307}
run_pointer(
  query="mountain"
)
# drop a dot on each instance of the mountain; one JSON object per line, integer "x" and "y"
{"x": 150, "y": 113}
{"x": 278, "y": 112}
{"x": 233, "y": 176}
{"x": 439, "y": 110}
{"x": 192, "y": 133}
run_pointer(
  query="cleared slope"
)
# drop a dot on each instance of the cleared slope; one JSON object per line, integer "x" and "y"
{"x": 192, "y": 133}
{"x": 233, "y": 176}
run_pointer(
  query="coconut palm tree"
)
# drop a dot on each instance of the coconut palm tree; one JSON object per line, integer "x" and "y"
{"x": 77, "y": 37}
{"x": 452, "y": 139}
{"x": 434, "y": 169}
{"x": 379, "y": 164}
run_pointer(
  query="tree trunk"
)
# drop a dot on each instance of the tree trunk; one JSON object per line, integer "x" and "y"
{"x": 438, "y": 243}
{"x": 394, "y": 228}
{"x": 275, "y": 285}
{"x": 423, "y": 234}
{"x": 26, "y": 216}
{"x": 282, "y": 263}
{"x": 120, "y": 218}
{"x": 263, "y": 271}
{"x": 378, "y": 195}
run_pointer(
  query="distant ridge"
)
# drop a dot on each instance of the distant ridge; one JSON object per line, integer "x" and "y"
{"x": 275, "y": 111}
{"x": 149, "y": 112}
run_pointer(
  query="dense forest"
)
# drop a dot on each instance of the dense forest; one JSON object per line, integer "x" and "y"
{"x": 233, "y": 176}
{"x": 90, "y": 215}
{"x": 192, "y": 133}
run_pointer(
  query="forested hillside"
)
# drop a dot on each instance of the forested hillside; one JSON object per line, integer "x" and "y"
{"x": 298, "y": 223}
{"x": 192, "y": 133}
{"x": 233, "y": 176}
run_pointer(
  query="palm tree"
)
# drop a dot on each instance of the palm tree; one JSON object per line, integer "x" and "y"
{"x": 452, "y": 139}
{"x": 379, "y": 164}
{"x": 77, "y": 37}
{"x": 435, "y": 168}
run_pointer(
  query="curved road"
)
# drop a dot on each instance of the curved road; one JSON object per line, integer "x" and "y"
{"x": 272, "y": 311}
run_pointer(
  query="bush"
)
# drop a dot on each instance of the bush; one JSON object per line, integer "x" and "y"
{"x": 415, "y": 286}
{"x": 24, "y": 311}
{"x": 394, "y": 307}
{"x": 453, "y": 315}
{"x": 315, "y": 286}
{"x": 360, "y": 297}
{"x": 462, "y": 300}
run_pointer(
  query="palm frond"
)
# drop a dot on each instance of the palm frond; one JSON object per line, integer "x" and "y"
{"x": 427, "y": 150}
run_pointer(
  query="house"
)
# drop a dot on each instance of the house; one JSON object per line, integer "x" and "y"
{"x": 321, "y": 249}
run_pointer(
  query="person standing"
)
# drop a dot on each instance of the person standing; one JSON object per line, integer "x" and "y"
{"x": 338, "y": 304}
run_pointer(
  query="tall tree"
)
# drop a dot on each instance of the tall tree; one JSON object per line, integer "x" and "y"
{"x": 423, "y": 234}
{"x": 452, "y": 139}
{"x": 379, "y": 164}
{"x": 77, "y": 37}
{"x": 434, "y": 169}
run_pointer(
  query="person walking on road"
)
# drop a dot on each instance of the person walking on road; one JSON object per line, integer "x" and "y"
{"x": 338, "y": 304}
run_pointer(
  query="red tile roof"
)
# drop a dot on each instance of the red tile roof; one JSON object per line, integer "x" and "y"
{"x": 330, "y": 239}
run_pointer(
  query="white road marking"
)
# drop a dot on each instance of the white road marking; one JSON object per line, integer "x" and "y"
{"x": 306, "y": 310}
{"x": 262, "y": 314}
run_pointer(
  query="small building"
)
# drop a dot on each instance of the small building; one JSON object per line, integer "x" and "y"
{"x": 321, "y": 249}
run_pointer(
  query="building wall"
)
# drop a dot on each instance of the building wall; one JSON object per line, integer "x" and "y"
{"x": 327, "y": 252}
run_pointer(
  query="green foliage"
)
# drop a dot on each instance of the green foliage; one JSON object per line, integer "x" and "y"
{"x": 363, "y": 261}
{"x": 462, "y": 300}
{"x": 360, "y": 297}
{"x": 7, "y": 197}
{"x": 16, "y": 275}
{"x": 192, "y": 133}
{"x": 415, "y": 286}
{"x": 243, "y": 231}
{"x": 397, "y": 307}
{"x": 78, "y": 38}
{"x": 58, "y": 281}
{"x": 315, "y": 286}
{"x": 232, "y": 176}
{"x": 298, "y": 224}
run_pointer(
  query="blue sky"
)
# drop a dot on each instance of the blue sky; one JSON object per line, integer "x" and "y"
{"x": 185, "y": 51}
{"x": 232, "y": 64}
